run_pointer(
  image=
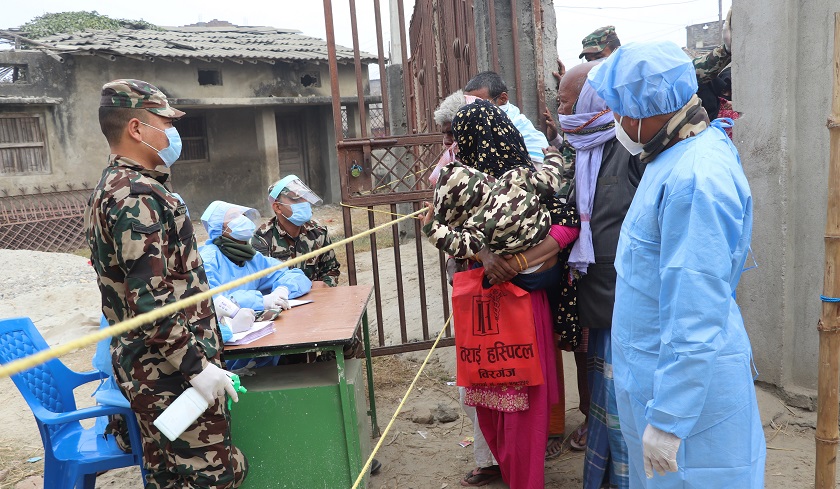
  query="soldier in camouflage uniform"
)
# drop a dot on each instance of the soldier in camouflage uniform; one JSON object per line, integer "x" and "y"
{"x": 292, "y": 232}
{"x": 145, "y": 256}
{"x": 600, "y": 43}
{"x": 709, "y": 66}
{"x": 603, "y": 41}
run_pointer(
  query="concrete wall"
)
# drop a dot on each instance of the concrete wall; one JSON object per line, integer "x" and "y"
{"x": 782, "y": 80}
{"x": 76, "y": 148}
{"x": 237, "y": 167}
{"x": 527, "y": 59}
{"x": 234, "y": 170}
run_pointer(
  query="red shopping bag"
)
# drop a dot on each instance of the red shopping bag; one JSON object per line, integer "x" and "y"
{"x": 494, "y": 333}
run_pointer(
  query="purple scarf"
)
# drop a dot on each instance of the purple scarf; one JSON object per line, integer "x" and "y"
{"x": 589, "y": 145}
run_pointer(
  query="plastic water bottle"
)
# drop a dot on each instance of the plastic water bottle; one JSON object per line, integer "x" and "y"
{"x": 181, "y": 414}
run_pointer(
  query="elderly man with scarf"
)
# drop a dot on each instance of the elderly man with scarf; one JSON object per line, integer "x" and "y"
{"x": 605, "y": 181}
{"x": 682, "y": 360}
{"x": 606, "y": 177}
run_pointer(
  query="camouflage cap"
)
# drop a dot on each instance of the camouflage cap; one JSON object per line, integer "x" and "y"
{"x": 137, "y": 94}
{"x": 598, "y": 40}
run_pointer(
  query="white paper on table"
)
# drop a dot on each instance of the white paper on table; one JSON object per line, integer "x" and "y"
{"x": 255, "y": 332}
{"x": 298, "y": 302}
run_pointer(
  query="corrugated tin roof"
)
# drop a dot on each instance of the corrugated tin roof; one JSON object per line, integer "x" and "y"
{"x": 245, "y": 43}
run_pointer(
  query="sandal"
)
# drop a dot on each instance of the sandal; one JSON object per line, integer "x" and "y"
{"x": 481, "y": 476}
{"x": 375, "y": 465}
{"x": 554, "y": 448}
{"x": 578, "y": 439}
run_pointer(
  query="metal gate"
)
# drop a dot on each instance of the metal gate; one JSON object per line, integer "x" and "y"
{"x": 390, "y": 168}
{"x": 48, "y": 221}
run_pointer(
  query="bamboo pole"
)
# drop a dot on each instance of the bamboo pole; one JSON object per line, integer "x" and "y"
{"x": 828, "y": 434}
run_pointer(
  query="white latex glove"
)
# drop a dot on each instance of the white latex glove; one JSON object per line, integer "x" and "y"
{"x": 212, "y": 383}
{"x": 277, "y": 299}
{"x": 242, "y": 321}
{"x": 225, "y": 308}
{"x": 660, "y": 451}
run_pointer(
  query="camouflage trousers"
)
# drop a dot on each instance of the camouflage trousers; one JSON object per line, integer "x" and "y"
{"x": 202, "y": 457}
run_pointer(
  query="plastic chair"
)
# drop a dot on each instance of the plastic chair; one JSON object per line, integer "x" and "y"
{"x": 72, "y": 454}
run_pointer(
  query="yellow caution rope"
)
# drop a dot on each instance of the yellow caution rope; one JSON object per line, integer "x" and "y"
{"x": 377, "y": 210}
{"x": 399, "y": 408}
{"x": 43, "y": 356}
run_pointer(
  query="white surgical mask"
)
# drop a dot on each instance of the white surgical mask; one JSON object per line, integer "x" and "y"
{"x": 632, "y": 146}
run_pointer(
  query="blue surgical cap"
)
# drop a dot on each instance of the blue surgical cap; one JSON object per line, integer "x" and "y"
{"x": 220, "y": 214}
{"x": 645, "y": 79}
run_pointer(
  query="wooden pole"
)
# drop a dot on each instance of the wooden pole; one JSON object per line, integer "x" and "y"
{"x": 828, "y": 434}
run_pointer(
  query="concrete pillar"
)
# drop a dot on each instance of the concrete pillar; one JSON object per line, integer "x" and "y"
{"x": 399, "y": 125}
{"x": 396, "y": 99}
{"x": 354, "y": 125}
{"x": 528, "y": 62}
{"x": 329, "y": 156}
{"x": 268, "y": 148}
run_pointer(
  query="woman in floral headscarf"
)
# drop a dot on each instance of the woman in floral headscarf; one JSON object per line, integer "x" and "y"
{"x": 487, "y": 140}
{"x": 514, "y": 420}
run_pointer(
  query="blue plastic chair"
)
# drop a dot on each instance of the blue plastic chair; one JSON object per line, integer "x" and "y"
{"x": 72, "y": 454}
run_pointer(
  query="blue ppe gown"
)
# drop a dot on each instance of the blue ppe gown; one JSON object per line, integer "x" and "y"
{"x": 681, "y": 356}
{"x": 221, "y": 270}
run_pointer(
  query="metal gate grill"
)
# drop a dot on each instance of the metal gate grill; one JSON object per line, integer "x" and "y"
{"x": 386, "y": 163}
{"x": 52, "y": 221}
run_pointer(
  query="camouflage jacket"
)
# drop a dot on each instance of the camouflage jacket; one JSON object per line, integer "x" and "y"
{"x": 509, "y": 215}
{"x": 145, "y": 256}
{"x": 272, "y": 240}
{"x": 709, "y": 66}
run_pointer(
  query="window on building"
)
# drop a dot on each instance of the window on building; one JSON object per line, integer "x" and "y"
{"x": 13, "y": 74}
{"x": 23, "y": 149}
{"x": 311, "y": 79}
{"x": 209, "y": 77}
{"x": 193, "y": 131}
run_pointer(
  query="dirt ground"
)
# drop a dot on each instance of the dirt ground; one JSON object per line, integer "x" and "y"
{"x": 414, "y": 454}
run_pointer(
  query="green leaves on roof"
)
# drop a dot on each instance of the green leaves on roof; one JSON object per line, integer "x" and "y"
{"x": 65, "y": 22}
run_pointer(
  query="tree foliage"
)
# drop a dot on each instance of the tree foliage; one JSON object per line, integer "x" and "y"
{"x": 64, "y": 22}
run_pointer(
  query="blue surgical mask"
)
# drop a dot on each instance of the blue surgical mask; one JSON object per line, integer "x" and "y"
{"x": 169, "y": 154}
{"x": 301, "y": 213}
{"x": 241, "y": 228}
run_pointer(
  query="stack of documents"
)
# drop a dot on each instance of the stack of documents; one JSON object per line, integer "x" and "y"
{"x": 252, "y": 334}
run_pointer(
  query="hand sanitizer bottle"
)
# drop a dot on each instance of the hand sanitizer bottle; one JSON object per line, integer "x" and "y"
{"x": 181, "y": 414}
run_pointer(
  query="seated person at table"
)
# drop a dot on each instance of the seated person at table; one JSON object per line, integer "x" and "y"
{"x": 292, "y": 231}
{"x": 227, "y": 256}
{"x": 508, "y": 215}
